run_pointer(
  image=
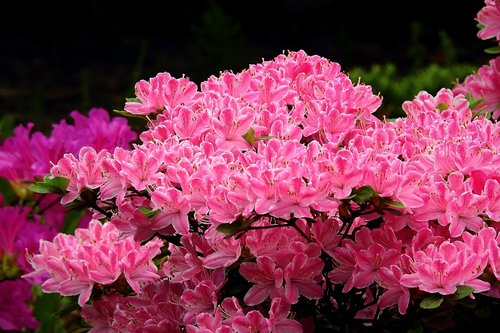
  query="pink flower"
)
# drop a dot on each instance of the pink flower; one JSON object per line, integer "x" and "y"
{"x": 485, "y": 84}
{"x": 251, "y": 322}
{"x": 441, "y": 268}
{"x": 99, "y": 314}
{"x": 93, "y": 255}
{"x": 155, "y": 309}
{"x": 370, "y": 261}
{"x": 395, "y": 293}
{"x": 208, "y": 323}
{"x": 489, "y": 18}
{"x": 302, "y": 277}
{"x": 295, "y": 198}
{"x": 162, "y": 91}
{"x": 279, "y": 318}
{"x": 203, "y": 298}
{"x": 141, "y": 170}
{"x": 174, "y": 209}
{"x": 266, "y": 277}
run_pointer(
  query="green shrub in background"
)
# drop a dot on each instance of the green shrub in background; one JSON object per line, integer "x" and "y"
{"x": 397, "y": 88}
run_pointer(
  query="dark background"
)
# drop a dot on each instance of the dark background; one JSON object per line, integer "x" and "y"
{"x": 58, "y": 58}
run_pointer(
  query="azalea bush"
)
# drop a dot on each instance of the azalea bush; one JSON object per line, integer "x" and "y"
{"x": 269, "y": 200}
{"x": 27, "y": 217}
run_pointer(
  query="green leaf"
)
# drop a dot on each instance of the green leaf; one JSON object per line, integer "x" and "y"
{"x": 8, "y": 193}
{"x": 6, "y": 126}
{"x": 148, "y": 211}
{"x": 395, "y": 204}
{"x": 43, "y": 188}
{"x": 232, "y": 228}
{"x": 394, "y": 211}
{"x": 249, "y": 136}
{"x": 71, "y": 221}
{"x": 442, "y": 106}
{"x": 493, "y": 50}
{"x": 363, "y": 194}
{"x": 473, "y": 102}
{"x": 130, "y": 115}
{"x": 59, "y": 182}
{"x": 132, "y": 100}
{"x": 462, "y": 291}
{"x": 50, "y": 185}
{"x": 432, "y": 302}
{"x": 45, "y": 310}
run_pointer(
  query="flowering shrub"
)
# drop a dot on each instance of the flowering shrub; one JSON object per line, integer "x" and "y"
{"x": 272, "y": 200}
{"x": 25, "y": 217}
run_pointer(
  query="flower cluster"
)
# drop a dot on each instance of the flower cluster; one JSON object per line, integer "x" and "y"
{"x": 488, "y": 19}
{"x": 484, "y": 86}
{"x": 26, "y": 217}
{"x": 272, "y": 200}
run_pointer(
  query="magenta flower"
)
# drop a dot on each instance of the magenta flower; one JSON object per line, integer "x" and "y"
{"x": 15, "y": 310}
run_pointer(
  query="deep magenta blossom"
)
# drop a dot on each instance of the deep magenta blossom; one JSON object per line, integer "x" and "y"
{"x": 15, "y": 310}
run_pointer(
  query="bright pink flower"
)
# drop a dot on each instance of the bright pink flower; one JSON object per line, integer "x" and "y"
{"x": 279, "y": 318}
{"x": 395, "y": 293}
{"x": 141, "y": 170}
{"x": 208, "y": 323}
{"x": 226, "y": 251}
{"x": 489, "y": 18}
{"x": 162, "y": 91}
{"x": 370, "y": 261}
{"x": 266, "y": 277}
{"x": 174, "y": 209}
{"x": 441, "y": 268}
{"x": 203, "y": 298}
{"x": 295, "y": 198}
{"x": 251, "y": 322}
{"x": 485, "y": 84}
{"x": 302, "y": 277}
{"x": 492, "y": 193}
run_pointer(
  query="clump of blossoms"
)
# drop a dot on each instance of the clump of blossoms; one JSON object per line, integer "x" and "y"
{"x": 272, "y": 200}
{"x": 484, "y": 86}
{"x": 26, "y": 217}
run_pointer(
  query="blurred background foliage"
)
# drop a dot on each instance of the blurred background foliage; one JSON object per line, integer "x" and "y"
{"x": 56, "y": 58}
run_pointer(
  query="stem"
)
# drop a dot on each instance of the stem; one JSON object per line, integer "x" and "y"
{"x": 102, "y": 211}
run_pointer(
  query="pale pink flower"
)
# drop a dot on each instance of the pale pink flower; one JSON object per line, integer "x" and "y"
{"x": 93, "y": 255}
